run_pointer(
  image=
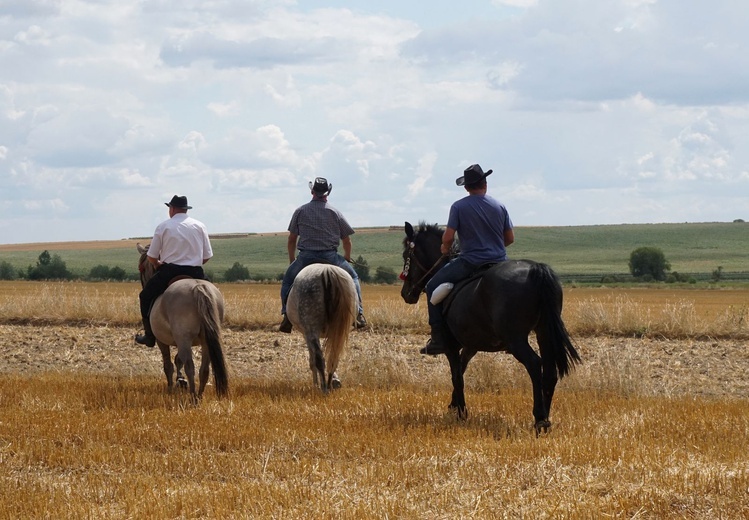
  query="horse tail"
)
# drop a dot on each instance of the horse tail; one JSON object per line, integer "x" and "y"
{"x": 551, "y": 333}
{"x": 340, "y": 300}
{"x": 209, "y": 311}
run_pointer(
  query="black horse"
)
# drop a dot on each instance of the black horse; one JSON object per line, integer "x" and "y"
{"x": 496, "y": 312}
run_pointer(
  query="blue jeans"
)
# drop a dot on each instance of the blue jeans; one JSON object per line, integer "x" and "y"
{"x": 453, "y": 272}
{"x": 305, "y": 258}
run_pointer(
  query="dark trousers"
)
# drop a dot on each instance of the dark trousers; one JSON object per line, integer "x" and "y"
{"x": 158, "y": 284}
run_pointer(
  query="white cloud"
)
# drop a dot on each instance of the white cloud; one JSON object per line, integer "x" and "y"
{"x": 589, "y": 112}
{"x": 421, "y": 175}
{"x": 224, "y": 109}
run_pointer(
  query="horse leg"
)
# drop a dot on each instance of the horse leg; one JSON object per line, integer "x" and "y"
{"x": 458, "y": 401}
{"x": 181, "y": 381}
{"x": 549, "y": 383}
{"x": 317, "y": 362}
{"x": 523, "y": 352}
{"x": 168, "y": 365}
{"x": 205, "y": 370}
{"x": 184, "y": 352}
{"x": 458, "y": 367}
{"x": 334, "y": 382}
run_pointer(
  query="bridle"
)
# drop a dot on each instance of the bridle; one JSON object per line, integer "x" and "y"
{"x": 145, "y": 268}
{"x": 418, "y": 287}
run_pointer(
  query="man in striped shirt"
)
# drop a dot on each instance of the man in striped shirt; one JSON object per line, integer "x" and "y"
{"x": 316, "y": 229}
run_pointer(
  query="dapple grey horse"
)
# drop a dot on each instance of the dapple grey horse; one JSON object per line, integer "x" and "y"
{"x": 323, "y": 303}
{"x": 189, "y": 313}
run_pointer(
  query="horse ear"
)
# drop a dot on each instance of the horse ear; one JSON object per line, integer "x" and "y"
{"x": 409, "y": 231}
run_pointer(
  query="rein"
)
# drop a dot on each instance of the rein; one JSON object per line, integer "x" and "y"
{"x": 146, "y": 270}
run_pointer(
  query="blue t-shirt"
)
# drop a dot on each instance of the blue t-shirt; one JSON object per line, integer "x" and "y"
{"x": 480, "y": 221}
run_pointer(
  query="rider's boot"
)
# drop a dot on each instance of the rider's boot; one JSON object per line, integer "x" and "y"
{"x": 361, "y": 321}
{"x": 147, "y": 338}
{"x": 437, "y": 344}
{"x": 286, "y": 325}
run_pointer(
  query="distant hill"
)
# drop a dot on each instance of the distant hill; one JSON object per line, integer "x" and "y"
{"x": 573, "y": 251}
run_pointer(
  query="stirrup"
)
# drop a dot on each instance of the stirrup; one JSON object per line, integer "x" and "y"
{"x": 361, "y": 321}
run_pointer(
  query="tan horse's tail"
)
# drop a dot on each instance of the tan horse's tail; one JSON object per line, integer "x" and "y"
{"x": 208, "y": 309}
{"x": 340, "y": 306}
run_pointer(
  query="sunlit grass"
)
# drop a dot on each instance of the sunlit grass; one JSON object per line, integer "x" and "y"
{"x": 646, "y": 427}
{"x": 619, "y": 312}
{"x": 88, "y": 446}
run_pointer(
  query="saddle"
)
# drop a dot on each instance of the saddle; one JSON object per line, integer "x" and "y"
{"x": 175, "y": 279}
{"x": 457, "y": 287}
{"x": 178, "y": 278}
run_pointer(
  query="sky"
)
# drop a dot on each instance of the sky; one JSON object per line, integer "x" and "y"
{"x": 588, "y": 112}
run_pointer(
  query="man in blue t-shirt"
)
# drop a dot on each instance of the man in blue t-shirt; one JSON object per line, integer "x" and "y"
{"x": 484, "y": 229}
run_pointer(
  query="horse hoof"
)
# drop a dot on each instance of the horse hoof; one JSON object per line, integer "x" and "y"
{"x": 542, "y": 427}
{"x": 460, "y": 411}
{"x": 335, "y": 384}
{"x": 182, "y": 383}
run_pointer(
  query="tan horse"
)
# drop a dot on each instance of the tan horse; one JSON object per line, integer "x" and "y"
{"x": 189, "y": 313}
{"x": 323, "y": 303}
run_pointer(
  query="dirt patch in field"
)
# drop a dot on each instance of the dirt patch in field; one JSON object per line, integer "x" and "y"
{"x": 628, "y": 365}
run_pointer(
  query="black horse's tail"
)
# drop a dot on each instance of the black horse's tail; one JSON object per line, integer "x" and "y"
{"x": 551, "y": 333}
{"x": 208, "y": 309}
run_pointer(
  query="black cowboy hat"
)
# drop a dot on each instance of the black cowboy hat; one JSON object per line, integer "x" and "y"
{"x": 472, "y": 175}
{"x": 321, "y": 186}
{"x": 179, "y": 202}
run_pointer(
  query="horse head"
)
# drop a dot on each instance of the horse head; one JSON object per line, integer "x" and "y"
{"x": 145, "y": 267}
{"x": 421, "y": 259}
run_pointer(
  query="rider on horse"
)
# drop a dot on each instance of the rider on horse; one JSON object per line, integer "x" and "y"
{"x": 484, "y": 229}
{"x": 316, "y": 228}
{"x": 180, "y": 246}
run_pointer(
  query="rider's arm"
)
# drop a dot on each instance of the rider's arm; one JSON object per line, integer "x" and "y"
{"x": 346, "y": 248}
{"x": 448, "y": 237}
{"x": 291, "y": 246}
{"x": 509, "y": 237}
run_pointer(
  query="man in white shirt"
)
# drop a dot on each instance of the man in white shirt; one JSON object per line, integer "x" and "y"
{"x": 180, "y": 246}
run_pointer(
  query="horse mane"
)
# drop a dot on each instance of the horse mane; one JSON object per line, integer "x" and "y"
{"x": 427, "y": 229}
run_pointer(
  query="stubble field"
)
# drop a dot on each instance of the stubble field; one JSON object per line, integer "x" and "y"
{"x": 653, "y": 424}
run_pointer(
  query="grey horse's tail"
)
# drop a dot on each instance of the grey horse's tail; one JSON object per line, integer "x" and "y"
{"x": 551, "y": 333}
{"x": 208, "y": 309}
{"x": 340, "y": 302}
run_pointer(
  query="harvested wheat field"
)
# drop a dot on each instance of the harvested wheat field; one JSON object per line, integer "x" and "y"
{"x": 653, "y": 424}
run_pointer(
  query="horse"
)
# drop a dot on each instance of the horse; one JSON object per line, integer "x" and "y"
{"x": 496, "y": 312}
{"x": 323, "y": 303}
{"x": 188, "y": 313}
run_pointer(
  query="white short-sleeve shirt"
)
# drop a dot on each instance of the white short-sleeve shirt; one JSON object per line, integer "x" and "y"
{"x": 181, "y": 240}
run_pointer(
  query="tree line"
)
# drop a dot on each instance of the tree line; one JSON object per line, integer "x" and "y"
{"x": 646, "y": 264}
{"x": 52, "y": 267}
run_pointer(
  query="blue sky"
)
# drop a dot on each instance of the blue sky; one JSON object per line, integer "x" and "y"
{"x": 589, "y": 112}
